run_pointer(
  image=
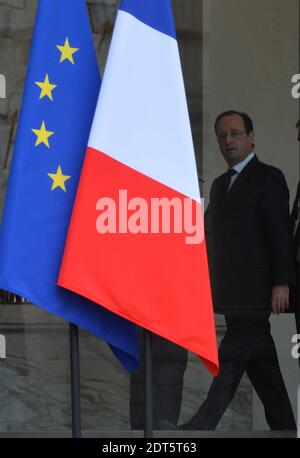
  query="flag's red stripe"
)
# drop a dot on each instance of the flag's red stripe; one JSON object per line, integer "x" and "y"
{"x": 156, "y": 281}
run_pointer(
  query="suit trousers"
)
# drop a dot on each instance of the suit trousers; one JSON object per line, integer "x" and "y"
{"x": 247, "y": 347}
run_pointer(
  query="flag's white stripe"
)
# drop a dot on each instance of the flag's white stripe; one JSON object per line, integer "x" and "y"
{"x": 141, "y": 117}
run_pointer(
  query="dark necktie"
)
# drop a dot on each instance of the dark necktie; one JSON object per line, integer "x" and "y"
{"x": 230, "y": 173}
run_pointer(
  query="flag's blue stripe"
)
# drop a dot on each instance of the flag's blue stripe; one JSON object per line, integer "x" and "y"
{"x": 155, "y": 13}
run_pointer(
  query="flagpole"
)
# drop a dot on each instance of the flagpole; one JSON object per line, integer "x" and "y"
{"x": 148, "y": 421}
{"x": 75, "y": 380}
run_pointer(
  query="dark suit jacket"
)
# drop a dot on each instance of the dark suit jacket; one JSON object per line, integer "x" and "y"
{"x": 295, "y": 291}
{"x": 294, "y": 214}
{"x": 248, "y": 238}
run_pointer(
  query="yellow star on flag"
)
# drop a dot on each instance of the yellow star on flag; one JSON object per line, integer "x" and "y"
{"x": 42, "y": 135}
{"x": 67, "y": 52}
{"x": 58, "y": 179}
{"x": 46, "y": 87}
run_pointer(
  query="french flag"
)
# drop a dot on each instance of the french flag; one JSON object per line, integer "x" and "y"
{"x": 136, "y": 241}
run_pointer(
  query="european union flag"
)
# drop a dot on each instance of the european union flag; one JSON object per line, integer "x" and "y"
{"x": 60, "y": 97}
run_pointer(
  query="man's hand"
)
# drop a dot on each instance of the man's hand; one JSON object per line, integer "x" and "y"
{"x": 280, "y": 298}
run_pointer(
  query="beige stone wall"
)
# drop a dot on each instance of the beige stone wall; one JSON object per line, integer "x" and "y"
{"x": 250, "y": 52}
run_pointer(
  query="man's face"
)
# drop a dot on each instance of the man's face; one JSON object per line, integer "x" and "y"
{"x": 234, "y": 142}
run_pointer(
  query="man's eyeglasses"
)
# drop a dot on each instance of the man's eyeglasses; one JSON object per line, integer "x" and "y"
{"x": 222, "y": 136}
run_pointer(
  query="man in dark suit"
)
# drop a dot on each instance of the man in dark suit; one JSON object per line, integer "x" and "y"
{"x": 295, "y": 222}
{"x": 248, "y": 241}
